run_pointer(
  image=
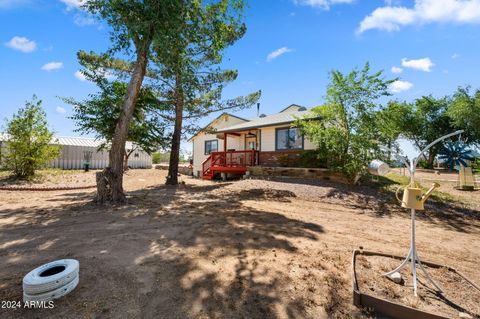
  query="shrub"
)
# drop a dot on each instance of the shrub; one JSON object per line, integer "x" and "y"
{"x": 313, "y": 159}
{"x": 156, "y": 158}
{"x": 345, "y": 129}
{"x": 29, "y": 145}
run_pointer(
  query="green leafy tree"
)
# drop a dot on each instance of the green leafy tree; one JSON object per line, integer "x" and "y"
{"x": 157, "y": 158}
{"x": 136, "y": 26}
{"x": 100, "y": 112}
{"x": 189, "y": 72}
{"x": 29, "y": 141}
{"x": 390, "y": 121}
{"x": 345, "y": 128}
{"x": 464, "y": 111}
{"x": 426, "y": 121}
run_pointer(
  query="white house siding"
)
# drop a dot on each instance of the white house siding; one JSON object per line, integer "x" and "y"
{"x": 267, "y": 143}
{"x": 199, "y": 141}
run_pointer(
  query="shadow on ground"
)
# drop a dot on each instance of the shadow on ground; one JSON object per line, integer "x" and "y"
{"x": 172, "y": 252}
{"x": 378, "y": 198}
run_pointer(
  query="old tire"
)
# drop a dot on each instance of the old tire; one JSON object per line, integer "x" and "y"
{"x": 54, "y": 294}
{"x": 50, "y": 276}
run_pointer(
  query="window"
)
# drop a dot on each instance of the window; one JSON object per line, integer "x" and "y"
{"x": 211, "y": 146}
{"x": 288, "y": 139}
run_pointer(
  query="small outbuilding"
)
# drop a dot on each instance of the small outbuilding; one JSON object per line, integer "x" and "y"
{"x": 76, "y": 151}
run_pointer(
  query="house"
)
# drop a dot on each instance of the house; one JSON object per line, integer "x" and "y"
{"x": 230, "y": 144}
{"x": 76, "y": 151}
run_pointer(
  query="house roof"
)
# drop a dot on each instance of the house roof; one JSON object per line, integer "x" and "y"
{"x": 287, "y": 116}
{"x": 215, "y": 119}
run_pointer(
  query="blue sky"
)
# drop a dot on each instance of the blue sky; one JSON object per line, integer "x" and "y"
{"x": 289, "y": 48}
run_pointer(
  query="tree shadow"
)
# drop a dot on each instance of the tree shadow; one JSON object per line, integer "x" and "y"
{"x": 182, "y": 252}
{"x": 378, "y": 198}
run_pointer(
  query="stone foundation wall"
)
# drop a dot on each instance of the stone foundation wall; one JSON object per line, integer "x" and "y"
{"x": 316, "y": 173}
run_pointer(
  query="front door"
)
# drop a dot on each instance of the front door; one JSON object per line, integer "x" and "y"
{"x": 251, "y": 143}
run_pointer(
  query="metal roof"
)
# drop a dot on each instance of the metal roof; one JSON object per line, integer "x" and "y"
{"x": 74, "y": 141}
{"x": 287, "y": 117}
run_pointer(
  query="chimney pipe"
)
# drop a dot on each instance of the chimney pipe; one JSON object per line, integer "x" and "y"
{"x": 258, "y": 109}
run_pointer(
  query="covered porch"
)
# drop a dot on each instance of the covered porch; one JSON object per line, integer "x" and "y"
{"x": 240, "y": 151}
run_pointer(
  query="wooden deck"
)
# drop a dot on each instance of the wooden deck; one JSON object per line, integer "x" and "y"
{"x": 230, "y": 162}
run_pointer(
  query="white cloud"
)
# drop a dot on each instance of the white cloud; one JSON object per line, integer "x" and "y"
{"x": 323, "y": 4}
{"x": 79, "y": 75}
{"x": 83, "y": 20}
{"x": 424, "y": 64}
{"x": 396, "y": 70}
{"x": 392, "y": 18}
{"x": 106, "y": 74}
{"x": 455, "y": 56}
{"x": 60, "y": 110}
{"x": 275, "y": 54}
{"x": 7, "y": 4}
{"x": 73, "y": 4}
{"x": 400, "y": 86}
{"x": 51, "y": 66}
{"x": 22, "y": 44}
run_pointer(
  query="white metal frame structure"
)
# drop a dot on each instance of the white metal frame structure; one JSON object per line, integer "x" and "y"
{"x": 412, "y": 254}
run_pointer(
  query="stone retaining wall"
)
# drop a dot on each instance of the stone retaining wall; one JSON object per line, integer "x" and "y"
{"x": 185, "y": 170}
{"x": 316, "y": 173}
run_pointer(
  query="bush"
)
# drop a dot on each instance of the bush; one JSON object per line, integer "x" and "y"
{"x": 29, "y": 145}
{"x": 476, "y": 166}
{"x": 157, "y": 158}
{"x": 345, "y": 129}
{"x": 423, "y": 164}
{"x": 313, "y": 159}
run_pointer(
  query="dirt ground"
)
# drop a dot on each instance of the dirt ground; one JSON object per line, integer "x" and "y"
{"x": 242, "y": 249}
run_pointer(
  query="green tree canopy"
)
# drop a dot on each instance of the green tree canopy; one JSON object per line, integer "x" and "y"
{"x": 464, "y": 111}
{"x": 100, "y": 112}
{"x": 136, "y": 26}
{"x": 191, "y": 80}
{"x": 30, "y": 141}
{"x": 426, "y": 120}
{"x": 345, "y": 128}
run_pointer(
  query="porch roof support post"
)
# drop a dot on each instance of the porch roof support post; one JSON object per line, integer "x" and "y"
{"x": 225, "y": 142}
{"x": 224, "y": 149}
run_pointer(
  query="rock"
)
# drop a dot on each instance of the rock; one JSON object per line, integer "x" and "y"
{"x": 464, "y": 315}
{"x": 396, "y": 277}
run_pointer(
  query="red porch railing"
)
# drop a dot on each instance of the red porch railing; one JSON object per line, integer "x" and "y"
{"x": 229, "y": 159}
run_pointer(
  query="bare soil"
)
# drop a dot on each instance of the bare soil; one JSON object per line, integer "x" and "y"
{"x": 460, "y": 296}
{"x": 51, "y": 178}
{"x": 277, "y": 248}
{"x": 448, "y": 180}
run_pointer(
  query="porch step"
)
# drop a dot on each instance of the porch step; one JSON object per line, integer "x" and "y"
{"x": 209, "y": 176}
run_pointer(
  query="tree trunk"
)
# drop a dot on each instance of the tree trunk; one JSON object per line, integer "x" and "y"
{"x": 103, "y": 186}
{"x": 117, "y": 151}
{"x": 431, "y": 158}
{"x": 125, "y": 161}
{"x": 172, "y": 178}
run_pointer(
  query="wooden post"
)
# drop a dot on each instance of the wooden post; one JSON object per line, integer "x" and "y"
{"x": 225, "y": 142}
{"x": 225, "y": 149}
